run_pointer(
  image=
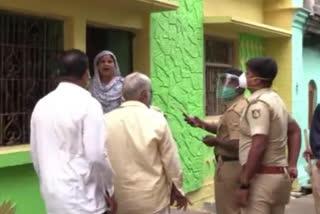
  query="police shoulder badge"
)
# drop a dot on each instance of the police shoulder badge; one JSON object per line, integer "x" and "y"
{"x": 256, "y": 113}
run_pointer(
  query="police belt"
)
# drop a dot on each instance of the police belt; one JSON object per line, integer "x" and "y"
{"x": 226, "y": 158}
{"x": 272, "y": 170}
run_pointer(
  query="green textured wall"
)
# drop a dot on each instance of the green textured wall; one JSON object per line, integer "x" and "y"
{"x": 249, "y": 46}
{"x": 19, "y": 184}
{"x": 178, "y": 81}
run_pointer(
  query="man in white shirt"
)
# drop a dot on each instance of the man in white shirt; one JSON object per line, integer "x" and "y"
{"x": 143, "y": 153}
{"x": 67, "y": 144}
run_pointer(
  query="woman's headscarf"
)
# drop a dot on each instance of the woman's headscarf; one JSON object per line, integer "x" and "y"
{"x": 108, "y": 95}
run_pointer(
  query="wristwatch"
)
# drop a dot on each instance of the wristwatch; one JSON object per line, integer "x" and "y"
{"x": 244, "y": 186}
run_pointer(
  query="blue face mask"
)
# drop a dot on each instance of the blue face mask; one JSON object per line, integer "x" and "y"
{"x": 228, "y": 93}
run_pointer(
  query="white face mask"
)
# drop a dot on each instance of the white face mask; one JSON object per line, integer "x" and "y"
{"x": 243, "y": 81}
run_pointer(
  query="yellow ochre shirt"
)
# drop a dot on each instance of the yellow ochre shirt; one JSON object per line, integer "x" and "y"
{"x": 144, "y": 158}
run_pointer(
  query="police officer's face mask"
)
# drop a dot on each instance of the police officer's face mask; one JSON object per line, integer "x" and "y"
{"x": 227, "y": 87}
{"x": 228, "y": 93}
{"x": 243, "y": 81}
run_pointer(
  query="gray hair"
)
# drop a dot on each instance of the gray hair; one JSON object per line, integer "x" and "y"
{"x": 134, "y": 84}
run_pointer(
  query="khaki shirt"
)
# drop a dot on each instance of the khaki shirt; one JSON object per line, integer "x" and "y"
{"x": 144, "y": 157}
{"x": 266, "y": 114}
{"x": 229, "y": 125}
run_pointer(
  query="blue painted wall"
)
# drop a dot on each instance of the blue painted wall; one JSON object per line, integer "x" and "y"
{"x": 297, "y": 3}
{"x": 299, "y": 86}
{"x": 310, "y": 71}
{"x": 305, "y": 59}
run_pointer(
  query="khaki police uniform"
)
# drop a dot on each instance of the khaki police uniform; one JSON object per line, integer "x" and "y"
{"x": 227, "y": 176}
{"x": 266, "y": 114}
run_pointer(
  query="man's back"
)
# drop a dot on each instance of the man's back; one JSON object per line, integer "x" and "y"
{"x": 58, "y": 141}
{"x": 229, "y": 126}
{"x": 144, "y": 158}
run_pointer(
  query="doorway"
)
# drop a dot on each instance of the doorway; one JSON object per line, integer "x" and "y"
{"x": 120, "y": 42}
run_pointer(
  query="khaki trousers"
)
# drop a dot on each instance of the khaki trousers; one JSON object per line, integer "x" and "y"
{"x": 316, "y": 187}
{"x": 227, "y": 180}
{"x": 269, "y": 194}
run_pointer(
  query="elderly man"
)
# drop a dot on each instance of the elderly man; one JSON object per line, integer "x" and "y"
{"x": 143, "y": 153}
{"x": 67, "y": 143}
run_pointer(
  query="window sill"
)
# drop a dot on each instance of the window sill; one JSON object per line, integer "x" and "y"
{"x": 15, "y": 156}
{"x": 160, "y": 5}
{"x": 243, "y": 26}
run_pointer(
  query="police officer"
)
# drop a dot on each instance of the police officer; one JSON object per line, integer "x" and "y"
{"x": 226, "y": 141}
{"x": 267, "y": 130}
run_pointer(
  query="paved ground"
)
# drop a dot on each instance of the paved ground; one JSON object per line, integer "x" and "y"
{"x": 303, "y": 205}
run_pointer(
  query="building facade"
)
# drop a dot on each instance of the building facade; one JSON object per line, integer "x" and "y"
{"x": 191, "y": 46}
{"x": 306, "y": 53}
{"x": 32, "y": 33}
{"x": 182, "y": 45}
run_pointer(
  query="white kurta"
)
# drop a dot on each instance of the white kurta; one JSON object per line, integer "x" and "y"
{"x": 67, "y": 147}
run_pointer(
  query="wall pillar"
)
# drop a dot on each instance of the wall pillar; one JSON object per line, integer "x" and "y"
{"x": 177, "y": 57}
{"x": 75, "y": 33}
{"x": 141, "y": 49}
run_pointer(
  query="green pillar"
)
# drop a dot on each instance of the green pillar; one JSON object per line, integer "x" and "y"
{"x": 177, "y": 73}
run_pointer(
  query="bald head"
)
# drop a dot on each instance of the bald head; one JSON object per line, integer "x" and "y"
{"x": 137, "y": 87}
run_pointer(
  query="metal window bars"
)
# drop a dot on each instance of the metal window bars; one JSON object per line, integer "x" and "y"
{"x": 219, "y": 57}
{"x": 28, "y": 51}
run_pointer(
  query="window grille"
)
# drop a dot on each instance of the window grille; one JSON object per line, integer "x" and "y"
{"x": 28, "y": 51}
